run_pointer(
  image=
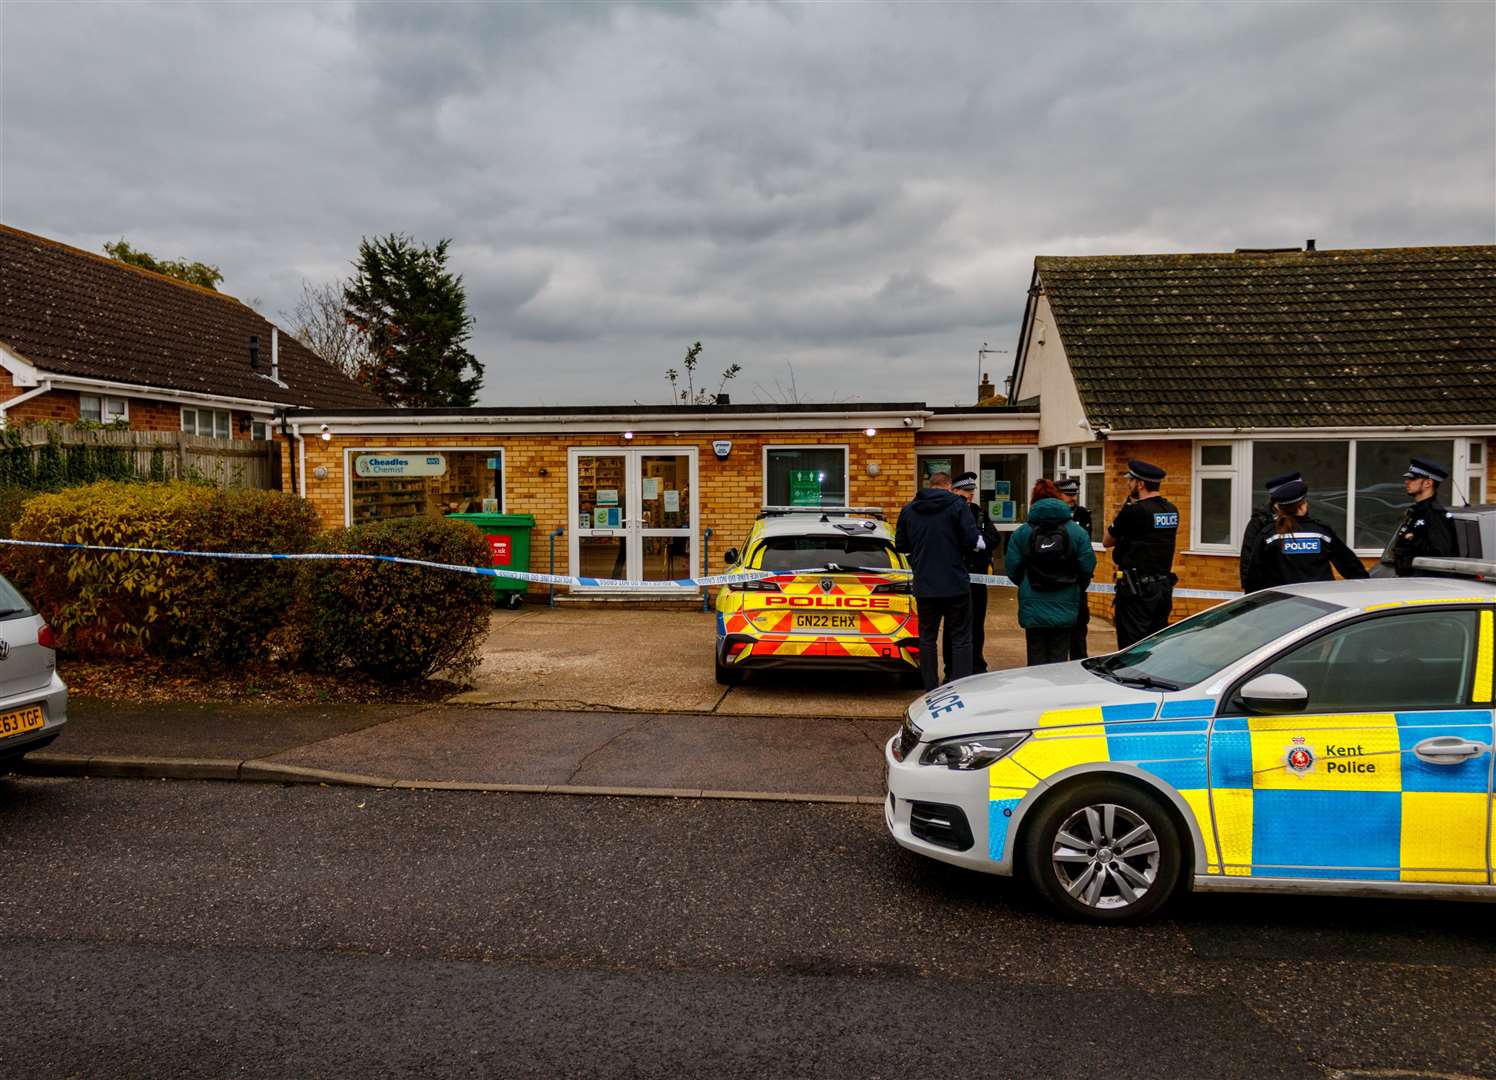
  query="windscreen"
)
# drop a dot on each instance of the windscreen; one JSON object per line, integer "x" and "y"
{"x": 817, "y": 552}
{"x": 1193, "y": 650}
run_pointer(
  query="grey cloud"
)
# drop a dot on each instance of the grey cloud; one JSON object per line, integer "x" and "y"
{"x": 857, "y": 189}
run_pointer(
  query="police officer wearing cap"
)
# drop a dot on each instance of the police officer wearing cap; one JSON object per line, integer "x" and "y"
{"x": 1069, "y": 489}
{"x": 1142, "y": 541}
{"x": 1296, "y": 548}
{"x": 1427, "y": 528}
{"x": 978, "y": 561}
{"x": 1262, "y": 519}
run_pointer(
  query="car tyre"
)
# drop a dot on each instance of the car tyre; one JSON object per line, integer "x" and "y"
{"x": 1104, "y": 851}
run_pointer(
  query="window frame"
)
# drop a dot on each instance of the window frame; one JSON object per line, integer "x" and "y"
{"x": 104, "y": 400}
{"x": 197, "y": 412}
{"x": 264, "y": 426}
{"x": 1470, "y": 476}
{"x": 1232, "y": 705}
{"x": 846, "y": 452}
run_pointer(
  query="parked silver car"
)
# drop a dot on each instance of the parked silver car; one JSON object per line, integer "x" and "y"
{"x": 33, "y": 700}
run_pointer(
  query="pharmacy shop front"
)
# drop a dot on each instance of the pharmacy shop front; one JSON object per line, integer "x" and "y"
{"x": 642, "y": 493}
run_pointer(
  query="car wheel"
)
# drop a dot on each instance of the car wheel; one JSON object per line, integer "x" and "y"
{"x": 728, "y": 676}
{"x": 1104, "y": 851}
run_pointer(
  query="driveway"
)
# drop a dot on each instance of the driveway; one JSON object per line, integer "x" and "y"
{"x": 661, "y": 662}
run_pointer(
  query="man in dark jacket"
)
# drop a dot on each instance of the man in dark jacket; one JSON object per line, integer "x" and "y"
{"x": 1426, "y": 528}
{"x": 937, "y": 531}
{"x": 978, "y": 562}
{"x": 1261, "y": 520}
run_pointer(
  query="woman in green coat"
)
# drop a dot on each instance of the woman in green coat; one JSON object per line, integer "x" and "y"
{"x": 1050, "y": 559}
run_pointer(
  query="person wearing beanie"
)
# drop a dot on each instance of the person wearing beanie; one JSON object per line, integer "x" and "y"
{"x": 1296, "y": 548}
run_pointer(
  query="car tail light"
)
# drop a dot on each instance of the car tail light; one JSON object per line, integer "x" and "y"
{"x": 736, "y": 647}
{"x": 903, "y": 588}
{"x": 44, "y": 637}
{"x": 756, "y": 586}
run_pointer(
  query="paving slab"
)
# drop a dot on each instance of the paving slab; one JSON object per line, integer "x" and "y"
{"x": 594, "y": 658}
{"x": 469, "y": 744}
{"x": 192, "y": 730}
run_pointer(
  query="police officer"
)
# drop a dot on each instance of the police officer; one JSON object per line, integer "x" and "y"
{"x": 1295, "y": 547}
{"x": 1069, "y": 489}
{"x": 1427, "y": 528}
{"x": 978, "y": 561}
{"x": 1142, "y": 542}
{"x": 1261, "y": 519}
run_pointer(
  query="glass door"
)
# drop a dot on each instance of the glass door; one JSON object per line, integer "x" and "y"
{"x": 633, "y": 514}
{"x": 1003, "y": 482}
{"x": 599, "y": 513}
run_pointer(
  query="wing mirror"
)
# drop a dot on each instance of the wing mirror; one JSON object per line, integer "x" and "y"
{"x": 1274, "y": 694}
{"x": 730, "y": 556}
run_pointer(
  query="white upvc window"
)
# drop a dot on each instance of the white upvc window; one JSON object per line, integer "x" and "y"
{"x": 1219, "y": 497}
{"x": 212, "y": 422}
{"x": 1355, "y": 484}
{"x": 259, "y": 429}
{"x": 103, "y": 408}
{"x": 1086, "y": 463}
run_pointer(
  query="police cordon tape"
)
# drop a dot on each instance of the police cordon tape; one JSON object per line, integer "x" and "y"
{"x": 996, "y": 580}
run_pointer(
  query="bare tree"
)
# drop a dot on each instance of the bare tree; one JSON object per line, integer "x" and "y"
{"x": 318, "y": 323}
{"x": 788, "y": 393}
{"x": 691, "y": 395}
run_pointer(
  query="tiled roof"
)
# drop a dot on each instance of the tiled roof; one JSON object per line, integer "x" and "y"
{"x": 71, "y": 313}
{"x": 1280, "y": 339}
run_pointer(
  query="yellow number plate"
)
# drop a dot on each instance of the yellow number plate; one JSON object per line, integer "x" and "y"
{"x": 22, "y": 720}
{"x": 809, "y": 621}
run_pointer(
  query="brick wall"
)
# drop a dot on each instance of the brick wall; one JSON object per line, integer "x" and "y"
{"x": 731, "y": 491}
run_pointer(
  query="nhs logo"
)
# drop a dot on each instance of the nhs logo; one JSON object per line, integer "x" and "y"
{"x": 1166, "y": 521}
{"x": 1301, "y": 546}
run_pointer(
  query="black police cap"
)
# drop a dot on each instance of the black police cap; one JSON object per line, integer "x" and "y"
{"x": 1279, "y": 481}
{"x": 1423, "y": 469}
{"x": 1145, "y": 470}
{"x": 1289, "y": 492}
{"x": 1068, "y": 486}
{"x": 965, "y": 480}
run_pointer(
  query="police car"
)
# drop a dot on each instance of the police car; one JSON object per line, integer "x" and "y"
{"x": 1333, "y": 737}
{"x": 839, "y": 598}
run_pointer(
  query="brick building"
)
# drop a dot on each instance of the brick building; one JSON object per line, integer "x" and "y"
{"x": 83, "y": 337}
{"x": 1227, "y": 369}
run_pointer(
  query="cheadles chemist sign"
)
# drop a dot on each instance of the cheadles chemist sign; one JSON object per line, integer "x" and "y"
{"x": 400, "y": 465}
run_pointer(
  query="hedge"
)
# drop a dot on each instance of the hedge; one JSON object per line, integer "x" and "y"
{"x": 391, "y": 621}
{"x": 162, "y": 605}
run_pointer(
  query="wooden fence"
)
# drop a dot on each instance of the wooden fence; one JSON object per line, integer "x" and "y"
{"x": 250, "y": 463}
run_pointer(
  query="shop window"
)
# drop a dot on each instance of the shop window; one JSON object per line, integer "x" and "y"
{"x": 210, "y": 422}
{"x": 405, "y": 482}
{"x": 102, "y": 409}
{"x": 805, "y": 476}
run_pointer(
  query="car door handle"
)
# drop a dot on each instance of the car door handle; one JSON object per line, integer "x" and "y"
{"x": 1448, "y": 750}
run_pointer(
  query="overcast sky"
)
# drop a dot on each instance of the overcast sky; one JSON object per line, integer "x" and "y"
{"x": 854, "y": 190}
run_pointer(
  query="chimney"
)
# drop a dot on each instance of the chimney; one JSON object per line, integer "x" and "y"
{"x": 1309, "y": 245}
{"x": 985, "y": 390}
{"x": 254, "y": 352}
{"x": 724, "y": 399}
{"x": 275, "y": 354}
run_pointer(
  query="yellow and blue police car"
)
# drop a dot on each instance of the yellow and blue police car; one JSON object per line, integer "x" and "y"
{"x": 1333, "y": 737}
{"x": 839, "y": 596}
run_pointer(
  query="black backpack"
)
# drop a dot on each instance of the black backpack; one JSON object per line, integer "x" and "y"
{"x": 1051, "y": 564}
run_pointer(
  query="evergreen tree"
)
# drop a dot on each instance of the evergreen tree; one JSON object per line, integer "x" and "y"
{"x": 413, "y": 314}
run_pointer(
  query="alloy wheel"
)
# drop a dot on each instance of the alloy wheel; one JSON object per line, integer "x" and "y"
{"x": 1105, "y": 856}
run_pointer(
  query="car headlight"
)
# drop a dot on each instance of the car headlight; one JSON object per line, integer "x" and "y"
{"x": 972, "y": 751}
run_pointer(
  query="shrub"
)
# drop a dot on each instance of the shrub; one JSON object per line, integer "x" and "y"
{"x": 12, "y": 501}
{"x": 102, "y": 603}
{"x": 391, "y": 621}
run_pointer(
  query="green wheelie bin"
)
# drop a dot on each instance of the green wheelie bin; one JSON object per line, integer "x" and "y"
{"x": 508, "y": 548}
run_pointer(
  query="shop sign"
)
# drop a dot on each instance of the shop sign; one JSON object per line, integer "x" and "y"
{"x": 400, "y": 465}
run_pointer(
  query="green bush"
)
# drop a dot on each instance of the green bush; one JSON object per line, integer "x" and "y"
{"x": 12, "y": 501}
{"x": 391, "y": 621}
{"x": 111, "y": 603}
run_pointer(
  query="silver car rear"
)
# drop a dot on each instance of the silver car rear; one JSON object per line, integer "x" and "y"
{"x": 33, "y": 700}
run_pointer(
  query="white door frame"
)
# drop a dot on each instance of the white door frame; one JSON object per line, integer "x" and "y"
{"x": 972, "y": 455}
{"x": 633, "y": 509}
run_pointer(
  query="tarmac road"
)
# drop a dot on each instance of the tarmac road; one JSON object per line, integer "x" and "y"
{"x": 204, "y": 929}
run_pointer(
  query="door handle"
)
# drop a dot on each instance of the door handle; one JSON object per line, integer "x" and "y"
{"x": 1448, "y": 750}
